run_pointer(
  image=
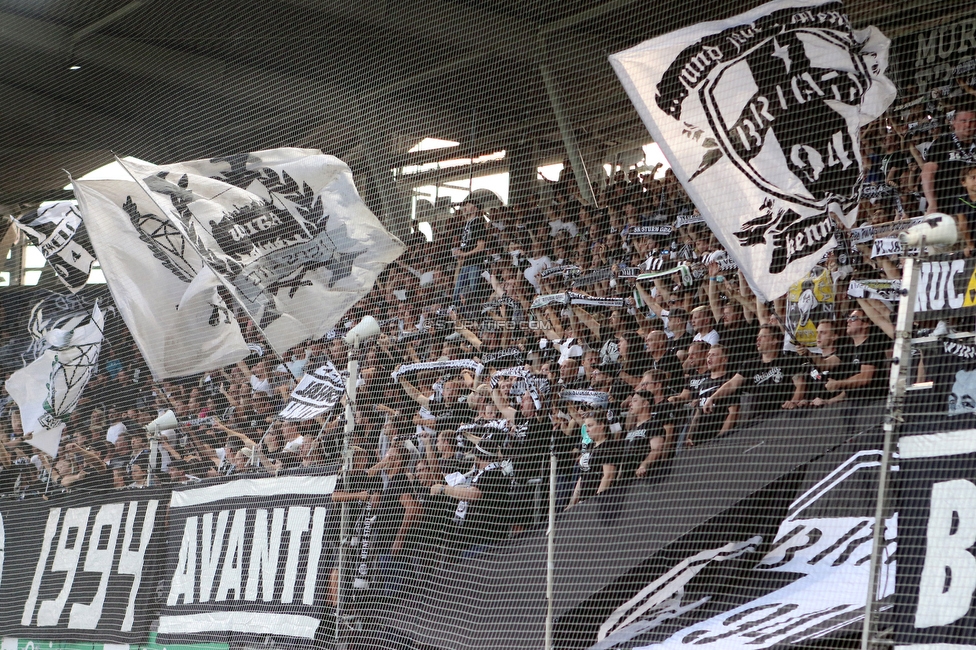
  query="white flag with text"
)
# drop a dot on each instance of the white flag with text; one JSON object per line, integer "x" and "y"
{"x": 165, "y": 294}
{"x": 285, "y": 230}
{"x": 760, "y": 116}
{"x": 55, "y": 227}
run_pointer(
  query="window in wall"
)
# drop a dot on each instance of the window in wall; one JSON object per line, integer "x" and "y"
{"x": 33, "y": 265}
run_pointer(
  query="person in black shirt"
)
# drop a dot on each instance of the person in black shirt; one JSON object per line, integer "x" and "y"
{"x": 482, "y": 514}
{"x": 530, "y": 432}
{"x": 965, "y": 210}
{"x": 776, "y": 379}
{"x": 664, "y": 360}
{"x": 737, "y": 335}
{"x": 947, "y": 158}
{"x": 598, "y": 462}
{"x": 650, "y": 430}
{"x": 678, "y": 324}
{"x": 864, "y": 376}
{"x": 713, "y": 417}
{"x": 529, "y": 439}
{"x": 470, "y": 255}
{"x": 822, "y": 365}
{"x": 93, "y": 474}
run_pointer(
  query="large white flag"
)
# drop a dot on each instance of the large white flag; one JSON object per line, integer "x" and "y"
{"x": 165, "y": 294}
{"x": 49, "y": 388}
{"x": 759, "y": 116}
{"x": 55, "y": 227}
{"x": 285, "y": 230}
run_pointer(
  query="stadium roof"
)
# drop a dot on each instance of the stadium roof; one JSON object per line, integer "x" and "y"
{"x": 365, "y": 79}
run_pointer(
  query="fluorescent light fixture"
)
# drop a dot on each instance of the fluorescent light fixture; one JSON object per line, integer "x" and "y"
{"x": 429, "y": 144}
{"x": 74, "y": 67}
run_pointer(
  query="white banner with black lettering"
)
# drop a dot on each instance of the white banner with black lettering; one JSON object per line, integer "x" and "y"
{"x": 759, "y": 115}
{"x": 316, "y": 394}
{"x": 55, "y": 227}
{"x": 167, "y": 298}
{"x": 810, "y": 581}
{"x": 83, "y": 567}
{"x": 248, "y": 559}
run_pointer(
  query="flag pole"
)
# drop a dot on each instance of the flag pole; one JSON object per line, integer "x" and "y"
{"x": 551, "y": 546}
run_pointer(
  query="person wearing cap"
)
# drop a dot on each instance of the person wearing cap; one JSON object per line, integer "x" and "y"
{"x": 650, "y": 427}
{"x": 482, "y": 515}
{"x": 598, "y": 460}
{"x": 470, "y": 255}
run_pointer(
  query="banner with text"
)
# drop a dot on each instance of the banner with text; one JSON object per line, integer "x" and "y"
{"x": 759, "y": 117}
{"x": 248, "y": 560}
{"x": 936, "y": 488}
{"x": 78, "y": 568}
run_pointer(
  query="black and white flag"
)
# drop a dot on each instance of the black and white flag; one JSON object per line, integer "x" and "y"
{"x": 759, "y": 116}
{"x": 49, "y": 388}
{"x": 316, "y": 394}
{"x": 165, "y": 295}
{"x": 284, "y": 230}
{"x": 55, "y": 227}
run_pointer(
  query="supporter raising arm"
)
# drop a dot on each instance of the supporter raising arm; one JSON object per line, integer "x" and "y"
{"x": 597, "y": 464}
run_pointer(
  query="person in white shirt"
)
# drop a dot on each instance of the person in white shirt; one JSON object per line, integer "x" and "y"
{"x": 704, "y": 325}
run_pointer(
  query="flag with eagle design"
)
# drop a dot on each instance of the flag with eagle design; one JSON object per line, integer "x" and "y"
{"x": 165, "y": 294}
{"x": 284, "y": 230}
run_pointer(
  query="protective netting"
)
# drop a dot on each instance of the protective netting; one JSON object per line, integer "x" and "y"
{"x": 635, "y": 270}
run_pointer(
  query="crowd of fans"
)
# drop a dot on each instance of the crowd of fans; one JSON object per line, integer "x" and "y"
{"x": 519, "y": 335}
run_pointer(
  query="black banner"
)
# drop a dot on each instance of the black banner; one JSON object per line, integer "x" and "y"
{"x": 81, "y": 567}
{"x": 248, "y": 559}
{"x": 936, "y": 492}
{"x": 931, "y": 60}
{"x": 946, "y": 287}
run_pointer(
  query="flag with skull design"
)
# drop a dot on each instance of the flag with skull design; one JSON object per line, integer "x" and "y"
{"x": 759, "y": 116}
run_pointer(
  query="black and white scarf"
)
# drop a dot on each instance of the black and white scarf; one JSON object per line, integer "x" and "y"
{"x": 506, "y": 357}
{"x": 594, "y": 301}
{"x": 686, "y": 219}
{"x": 594, "y": 398}
{"x": 650, "y": 231}
{"x": 454, "y": 365}
{"x": 566, "y": 270}
{"x": 593, "y": 277}
{"x": 550, "y": 299}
